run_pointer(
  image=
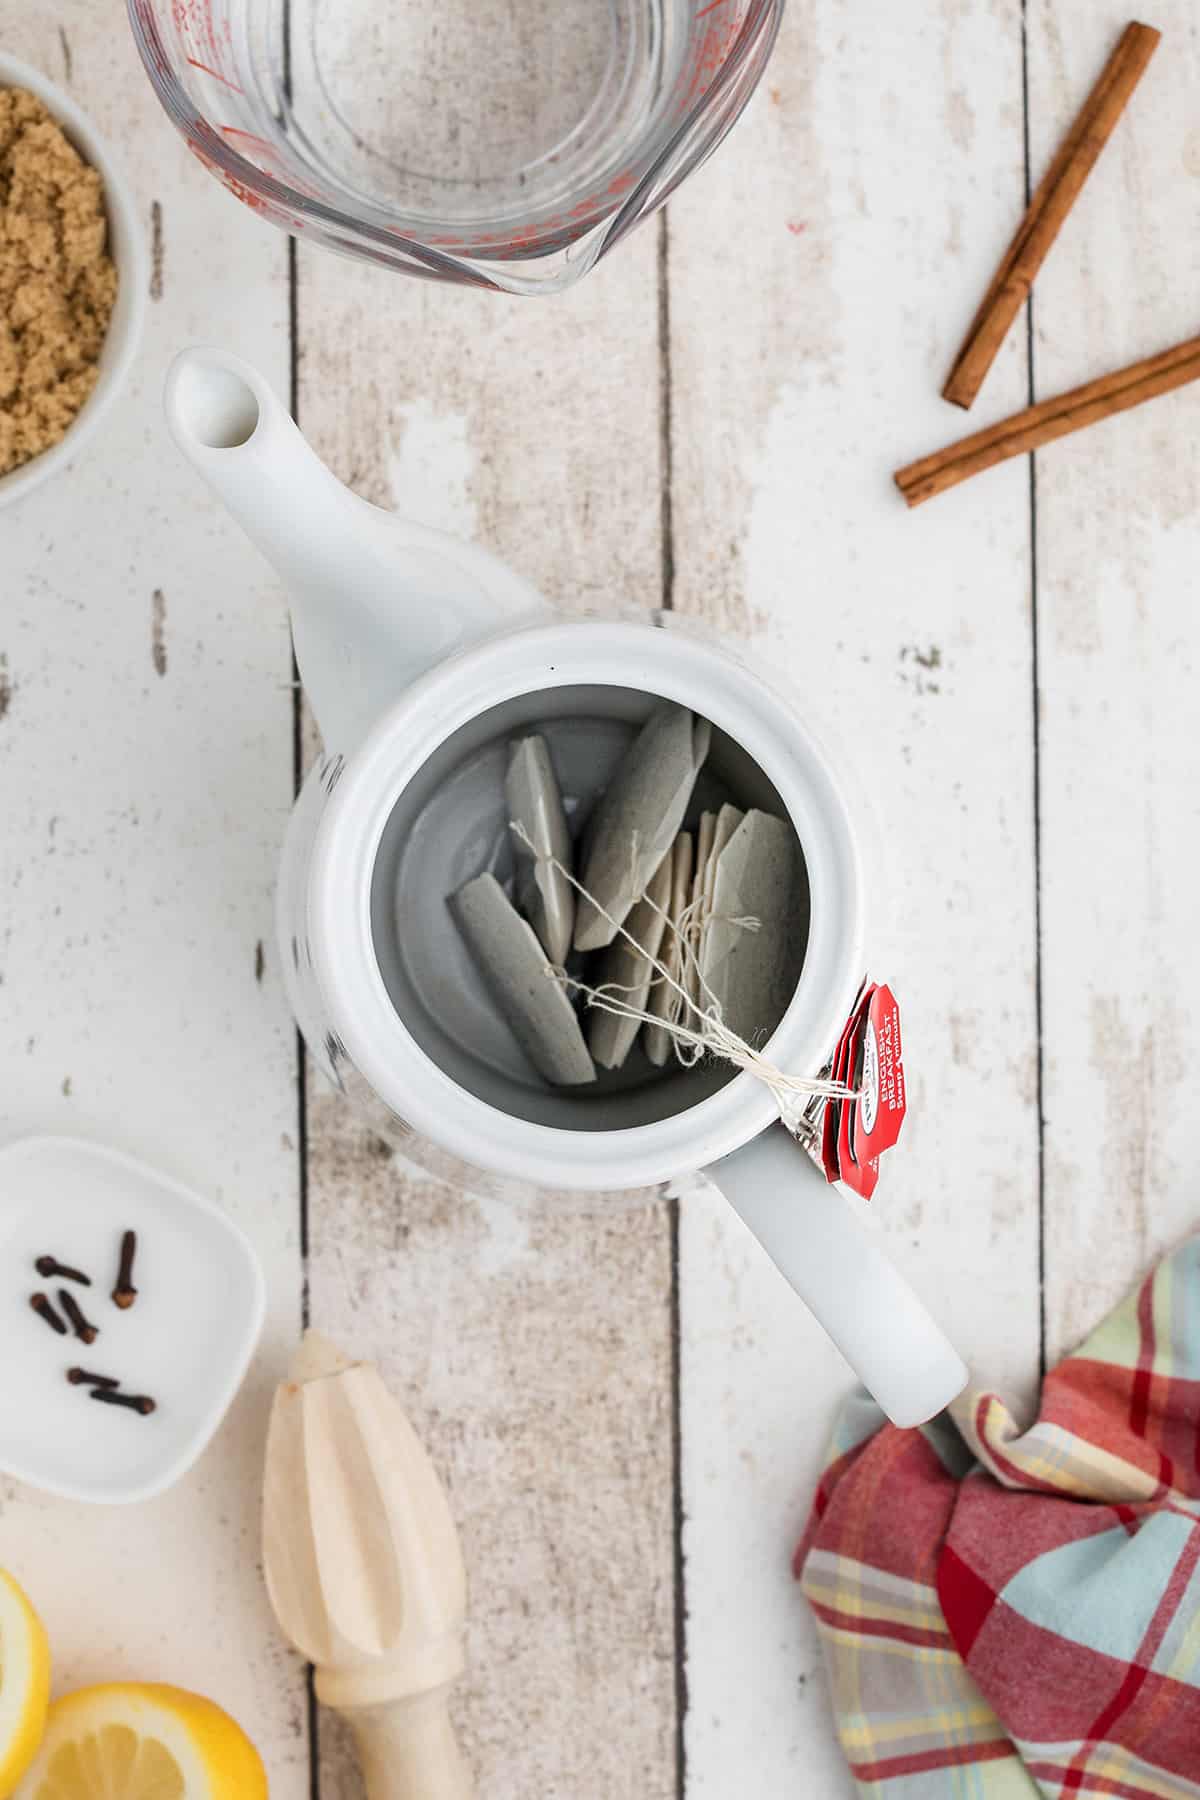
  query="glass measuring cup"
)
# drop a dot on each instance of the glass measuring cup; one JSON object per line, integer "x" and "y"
{"x": 502, "y": 143}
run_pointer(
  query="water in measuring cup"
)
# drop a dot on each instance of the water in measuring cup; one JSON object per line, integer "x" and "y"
{"x": 462, "y": 110}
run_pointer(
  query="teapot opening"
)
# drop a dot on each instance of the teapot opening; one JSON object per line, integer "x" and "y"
{"x": 213, "y": 405}
{"x": 450, "y": 824}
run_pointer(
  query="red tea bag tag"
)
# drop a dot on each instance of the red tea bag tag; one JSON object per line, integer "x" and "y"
{"x": 831, "y": 1121}
{"x": 863, "y": 1177}
{"x": 880, "y": 1111}
{"x": 860, "y": 1176}
{"x": 829, "y": 1130}
{"x": 869, "y": 1060}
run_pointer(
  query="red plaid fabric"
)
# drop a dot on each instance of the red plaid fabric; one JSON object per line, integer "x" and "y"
{"x": 1006, "y": 1614}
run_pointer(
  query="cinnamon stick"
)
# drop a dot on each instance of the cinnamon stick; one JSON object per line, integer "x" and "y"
{"x": 1050, "y": 419}
{"x": 1058, "y": 192}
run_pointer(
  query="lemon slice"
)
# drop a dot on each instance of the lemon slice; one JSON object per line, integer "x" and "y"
{"x": 143, "y": 1742}
{"x": 24, "y": 1683}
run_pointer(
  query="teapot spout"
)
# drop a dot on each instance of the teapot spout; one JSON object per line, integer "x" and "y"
{"x": 375, "y": 600}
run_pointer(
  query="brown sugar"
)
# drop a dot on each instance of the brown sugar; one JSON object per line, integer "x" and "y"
{"x": 57, "y": 282}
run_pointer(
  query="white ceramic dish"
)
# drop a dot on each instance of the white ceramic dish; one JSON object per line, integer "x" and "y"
{"x": 187, "y": 1341}
{"x": 128, "y": 250}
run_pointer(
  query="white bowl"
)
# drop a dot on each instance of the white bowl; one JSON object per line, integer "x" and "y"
{"x": 187, "y": 1341}
{"x": 127, "y": 248}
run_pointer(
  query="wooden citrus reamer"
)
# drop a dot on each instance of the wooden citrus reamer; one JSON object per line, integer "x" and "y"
{"x": 364, "y": 1570}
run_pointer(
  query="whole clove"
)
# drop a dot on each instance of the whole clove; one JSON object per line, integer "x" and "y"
{"x": 51, "y": 1269}
{"x": 84, "y": 1330}
{"x": 85, "y": 1378}
{"x": 42, "y": 1307}
{"x": 140, "y": 1403}
{"x": 124, "y": 1294}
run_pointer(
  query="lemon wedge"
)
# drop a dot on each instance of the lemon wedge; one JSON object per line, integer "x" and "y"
{"x": 24, "y": 1683}
{"x": 142, "y": 1742}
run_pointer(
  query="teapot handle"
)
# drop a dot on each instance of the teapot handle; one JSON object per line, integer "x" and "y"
{"x": 843, "y": 1276}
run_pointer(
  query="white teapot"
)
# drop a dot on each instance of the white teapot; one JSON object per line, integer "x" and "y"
{"x": 422, "y": 657}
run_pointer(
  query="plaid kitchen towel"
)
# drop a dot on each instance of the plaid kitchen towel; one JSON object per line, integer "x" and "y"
{"x": 1010, "y": 1614}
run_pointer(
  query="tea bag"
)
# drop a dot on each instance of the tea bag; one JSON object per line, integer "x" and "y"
{"x": 629, "y": 971}
{"x": 665, "y": 1001}
{"x": 691, "y": 964}
{"x": 514, "y": 965}
{"x": 716, "y": 829}
{"x": 749, "y": 972}
{"x": 728, "y": 820}
{"x": 635, "y": 824}
{"x": 543, "y": 891}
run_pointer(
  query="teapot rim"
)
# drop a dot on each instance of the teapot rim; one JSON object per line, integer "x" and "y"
{"x": 542, "y": 657}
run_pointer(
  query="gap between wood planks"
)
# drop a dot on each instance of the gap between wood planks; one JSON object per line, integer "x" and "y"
{"x": 293, "y": 281}
{"x": 1035, "y": 678}
{"x": 666, "y": 604}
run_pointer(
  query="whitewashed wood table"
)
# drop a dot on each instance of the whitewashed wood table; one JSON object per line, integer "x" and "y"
{"x": 629, "y": 1407}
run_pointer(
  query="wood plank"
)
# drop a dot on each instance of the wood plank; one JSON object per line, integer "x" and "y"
{"x": 1119, "y": 644}
{"x": 531, "y": 1343}
{"x": 146, "y": 765}
{"x": 822, "y": 269}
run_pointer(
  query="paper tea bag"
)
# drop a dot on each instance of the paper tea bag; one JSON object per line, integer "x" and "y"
{"x": 636, "y": 821}
{"x": 752, "y": 973}
{"x": 514, "y": 965}
{"x": 691, "y": 962}
{"x": 728, "y": 820}
{"x": 726, "y": 823}
{"x": 544, "y": 894}
{"x": 664, "y": 1001}
{"x": 716, "y": 829}
{"x": 630, "y": 972}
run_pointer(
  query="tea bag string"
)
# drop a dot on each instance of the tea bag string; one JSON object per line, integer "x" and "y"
{"x": 688, "y": 929}
{"x": 791, "y": 1092}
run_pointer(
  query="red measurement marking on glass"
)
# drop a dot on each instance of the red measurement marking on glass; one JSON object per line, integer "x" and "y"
{"x": 711, "y": 7}
{"x": 215, "y": 73}
{"x": 250, "y": 136}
